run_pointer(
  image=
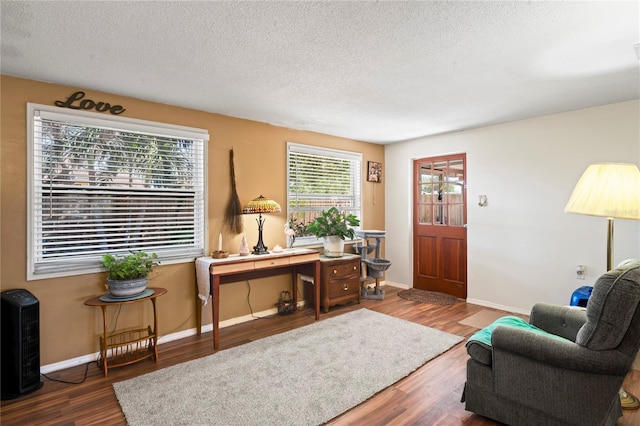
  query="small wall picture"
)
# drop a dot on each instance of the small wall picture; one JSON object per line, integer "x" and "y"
{"x": 374, "y": 173}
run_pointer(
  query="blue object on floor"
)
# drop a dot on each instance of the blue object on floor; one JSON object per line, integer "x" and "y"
{"x": 581, "y": 296}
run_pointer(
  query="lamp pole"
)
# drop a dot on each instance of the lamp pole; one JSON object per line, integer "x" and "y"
{"x": 609, "y": 243}
{"x": 260, "y": 248}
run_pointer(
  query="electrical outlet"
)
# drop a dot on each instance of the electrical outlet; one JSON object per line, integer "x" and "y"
{"x": 580, "y": 272}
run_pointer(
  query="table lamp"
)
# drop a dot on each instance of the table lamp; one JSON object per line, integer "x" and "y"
{"x": 610, "y": 190}
{"x": 261, "y": 205}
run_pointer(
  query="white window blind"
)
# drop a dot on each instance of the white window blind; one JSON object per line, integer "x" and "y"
{"x": 320, "y": 178}
{"x": 100, "y": 184}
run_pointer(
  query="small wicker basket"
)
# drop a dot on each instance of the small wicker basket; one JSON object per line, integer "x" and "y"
{"x": 219, "y": 254}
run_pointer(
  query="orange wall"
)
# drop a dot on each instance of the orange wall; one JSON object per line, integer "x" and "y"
{"x": 68, "y": 328}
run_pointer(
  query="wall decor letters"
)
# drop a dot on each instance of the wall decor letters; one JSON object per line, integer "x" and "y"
{"x": 89, "y": 104}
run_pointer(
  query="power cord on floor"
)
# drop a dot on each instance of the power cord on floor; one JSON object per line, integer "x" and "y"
{"x": 86, "y": 370}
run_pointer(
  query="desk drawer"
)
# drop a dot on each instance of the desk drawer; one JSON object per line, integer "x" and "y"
{"x": 232, "y": 267}
{"x": 304, "y": 258}
{"x": 271, "y": 263}
{"x": 343, "y": 287}
{"x": 342, "y": 271}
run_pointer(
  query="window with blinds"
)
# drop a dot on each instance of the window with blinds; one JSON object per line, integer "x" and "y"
{"x": 320, "y": 178}
{"x": 101, "y": 184}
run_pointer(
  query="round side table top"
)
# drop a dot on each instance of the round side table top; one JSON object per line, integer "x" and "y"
{"x": 96, "y": 301}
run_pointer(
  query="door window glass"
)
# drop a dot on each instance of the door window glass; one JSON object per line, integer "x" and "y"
{"x": 441, "y": 198}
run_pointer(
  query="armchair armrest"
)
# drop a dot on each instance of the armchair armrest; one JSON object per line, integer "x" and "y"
{"x": 560, "y": 353}
{"x": 562, "y": 321}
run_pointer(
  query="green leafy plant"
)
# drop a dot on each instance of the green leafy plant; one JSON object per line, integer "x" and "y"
{"x": 138, "y": 264}
{"x": 333, "y": 222}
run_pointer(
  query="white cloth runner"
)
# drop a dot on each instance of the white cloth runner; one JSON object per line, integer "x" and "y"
{"x": 203, "y": 278}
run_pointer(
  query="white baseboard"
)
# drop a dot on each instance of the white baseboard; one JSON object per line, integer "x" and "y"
{"x": 398, "y": 285}
{"x": 497, "y": 306}
{"x": 84, "y": 359}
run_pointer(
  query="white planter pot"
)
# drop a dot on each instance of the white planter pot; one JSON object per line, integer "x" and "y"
{"x": 120, "y": 288}
{"x": 333, "y": 246}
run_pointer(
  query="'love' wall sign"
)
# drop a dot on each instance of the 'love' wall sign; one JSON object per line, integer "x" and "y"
{"x": 74, "y": 102}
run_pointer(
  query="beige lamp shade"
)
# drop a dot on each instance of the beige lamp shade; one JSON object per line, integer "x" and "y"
{"x": 607, "y": 190}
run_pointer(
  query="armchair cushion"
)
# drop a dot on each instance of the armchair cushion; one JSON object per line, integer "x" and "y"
{"x": 558, "y": 352}
{"x": 564, "y": 321}
{"x": 610, "y": 309}
{"x": 479, "y": 344}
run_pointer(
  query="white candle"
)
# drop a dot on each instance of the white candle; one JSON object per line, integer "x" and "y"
{"x": 220, "y": 242}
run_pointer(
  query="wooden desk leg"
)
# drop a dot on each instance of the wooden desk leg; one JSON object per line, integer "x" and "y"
{"x": 316, "y": 284}
{"x": 103, "y": 343}
{"x": 199, "y": 310}
{"x": 215, "y": 309}
{"x": 155, "y": 331}
{"x": 294, "y": 287}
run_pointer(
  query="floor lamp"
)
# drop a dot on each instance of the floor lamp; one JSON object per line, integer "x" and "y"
{"x": 610, "y": 190}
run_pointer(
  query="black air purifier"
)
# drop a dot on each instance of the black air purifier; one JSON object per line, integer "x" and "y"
{"x": 20, "y": 341}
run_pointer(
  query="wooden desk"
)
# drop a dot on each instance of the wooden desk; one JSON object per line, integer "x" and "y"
{"x": 241, "y": 268}
{"x": 129, "y": 346}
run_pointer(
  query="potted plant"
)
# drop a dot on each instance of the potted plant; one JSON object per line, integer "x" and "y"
{"x": 127, "y": 274}
{"x": 333, "y": 227}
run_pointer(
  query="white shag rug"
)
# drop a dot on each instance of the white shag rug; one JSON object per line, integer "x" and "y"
{"x": 305, "y": 376}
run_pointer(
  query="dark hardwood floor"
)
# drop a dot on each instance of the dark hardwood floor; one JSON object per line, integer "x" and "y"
{"x": 429, "y": 396}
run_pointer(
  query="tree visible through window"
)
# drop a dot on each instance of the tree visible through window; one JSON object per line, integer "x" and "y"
{"x": 318, "y": 179}
{"x": 107, "y": 186}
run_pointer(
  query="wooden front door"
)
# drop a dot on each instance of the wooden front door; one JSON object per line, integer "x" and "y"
{"x": 439, "y": 225}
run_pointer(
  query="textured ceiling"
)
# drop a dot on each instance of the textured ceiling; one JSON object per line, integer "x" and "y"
{"x": 373, "y": 71}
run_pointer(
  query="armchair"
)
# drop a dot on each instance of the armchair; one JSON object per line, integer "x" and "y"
{"x": 527, "y": 378}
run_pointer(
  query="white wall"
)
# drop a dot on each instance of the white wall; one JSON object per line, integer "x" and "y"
{"x": 522, "y": 247}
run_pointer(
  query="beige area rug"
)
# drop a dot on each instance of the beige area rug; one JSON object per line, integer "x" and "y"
{"x": 425, "y": 296}
{"x": 305, "y": 376}
{"x": 482, "y": 318}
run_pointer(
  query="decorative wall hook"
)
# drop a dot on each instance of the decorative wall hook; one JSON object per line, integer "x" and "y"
{"x": 482, "y": 201}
